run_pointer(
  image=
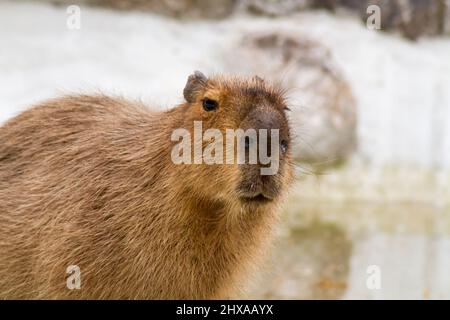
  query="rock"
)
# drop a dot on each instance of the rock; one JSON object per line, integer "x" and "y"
{"x": 413, "y": 18}
{"x": 323, "y": 110}
{"x": 172, "y": 8}
{"x": 275, "y": 7}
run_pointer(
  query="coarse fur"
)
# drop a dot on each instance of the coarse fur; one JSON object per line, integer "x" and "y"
{"x": 89, "y": 181}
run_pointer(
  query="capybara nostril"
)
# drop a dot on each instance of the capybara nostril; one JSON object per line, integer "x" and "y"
{"x": 284, "y": 144}
{"x": 248, "y": 143}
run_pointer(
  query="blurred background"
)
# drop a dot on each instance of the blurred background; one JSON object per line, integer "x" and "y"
{"x": 370, "y": 114}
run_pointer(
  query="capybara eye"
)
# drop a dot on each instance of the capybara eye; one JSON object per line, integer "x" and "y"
{"x": 209, "y": 104}
{"x": 284, "y": 146}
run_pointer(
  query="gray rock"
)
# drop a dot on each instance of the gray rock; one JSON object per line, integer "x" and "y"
{"x": 412, "y": 18}
{"x": 275, "y": 7}
{"x": 172, "y": 8}
{"x": 323, "y": 110}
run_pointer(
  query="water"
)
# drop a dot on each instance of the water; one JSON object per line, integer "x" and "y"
{"x": 338, "y": 225}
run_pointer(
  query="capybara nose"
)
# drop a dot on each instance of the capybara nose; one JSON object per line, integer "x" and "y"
{"x": 265, "y": 120}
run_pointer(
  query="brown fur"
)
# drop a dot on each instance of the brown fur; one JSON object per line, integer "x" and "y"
{"x": 88, "y": 181}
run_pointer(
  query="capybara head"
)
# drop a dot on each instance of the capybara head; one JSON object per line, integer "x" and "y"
{"x": 245, "y": 119}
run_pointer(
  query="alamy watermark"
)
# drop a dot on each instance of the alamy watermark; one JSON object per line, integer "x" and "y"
{"x": 73, "y": 281}
{"x": 373, "y": 281}
{"x": 374, "y": 19}
{"x": 73, "y": 21}
{"x": 249, "y": 144}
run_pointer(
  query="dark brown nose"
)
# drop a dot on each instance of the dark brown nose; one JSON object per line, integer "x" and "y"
{"x": 265, "y": 119}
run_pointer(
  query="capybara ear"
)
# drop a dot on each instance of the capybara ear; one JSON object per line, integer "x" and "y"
{"x": 258, "y": 79}
{"x": 195, "y": 83}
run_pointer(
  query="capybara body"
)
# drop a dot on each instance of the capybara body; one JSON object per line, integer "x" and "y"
{"x": 89, "y": 181}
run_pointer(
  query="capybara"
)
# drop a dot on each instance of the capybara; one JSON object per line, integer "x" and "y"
{"x": 90, "y": 181}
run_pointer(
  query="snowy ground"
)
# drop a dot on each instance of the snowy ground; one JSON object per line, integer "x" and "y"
{"x": 392, "y": 202}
